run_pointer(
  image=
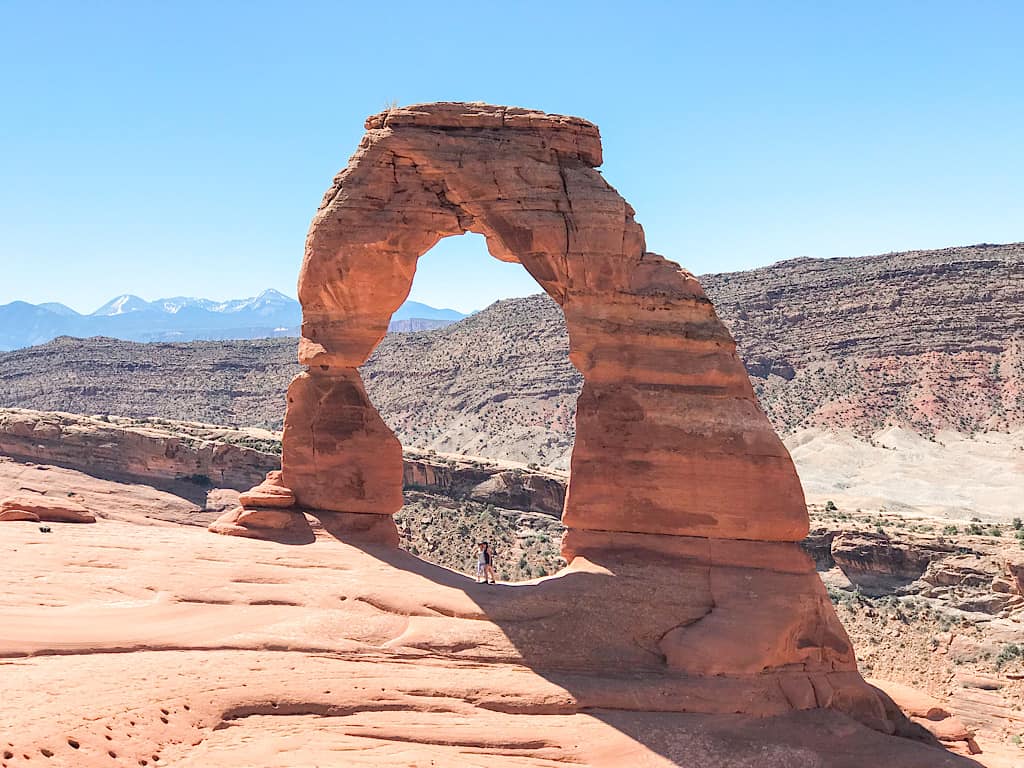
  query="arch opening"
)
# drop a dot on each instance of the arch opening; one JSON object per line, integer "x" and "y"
{"x": 484, "y": 411}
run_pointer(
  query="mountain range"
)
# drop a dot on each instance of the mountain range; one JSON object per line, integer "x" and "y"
{"x": 183, "y": 318}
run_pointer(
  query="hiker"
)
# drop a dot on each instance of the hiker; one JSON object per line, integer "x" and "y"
{"x": 484, "y": 564}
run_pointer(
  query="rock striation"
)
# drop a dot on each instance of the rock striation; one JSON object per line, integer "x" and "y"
{"x": 684, "y": 507}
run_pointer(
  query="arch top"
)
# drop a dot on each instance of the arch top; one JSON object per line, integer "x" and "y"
{"x": 569, "y": 135}
{"x": 523, "y": 179}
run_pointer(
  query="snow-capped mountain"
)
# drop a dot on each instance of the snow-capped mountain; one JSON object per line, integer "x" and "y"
{"x": 182, "y": 318}
{"x": 121, "y": 305}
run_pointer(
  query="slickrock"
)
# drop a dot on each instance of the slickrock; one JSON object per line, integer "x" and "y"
{"x": 163, "y": 645}
{"x": 684, "y": 507}
{"x": 47, "y": 509}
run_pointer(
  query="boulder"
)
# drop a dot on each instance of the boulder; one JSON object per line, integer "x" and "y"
{"x": 265, "y": 495}
{"x": 263, "y": 523}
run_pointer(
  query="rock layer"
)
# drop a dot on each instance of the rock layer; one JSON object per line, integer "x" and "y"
{"x": 46, "y": 508}
{"x": 146, "y": 451}
{"x": 683, "y": 505}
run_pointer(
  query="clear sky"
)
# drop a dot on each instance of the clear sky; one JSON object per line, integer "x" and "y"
{"x": 165, "y": 148}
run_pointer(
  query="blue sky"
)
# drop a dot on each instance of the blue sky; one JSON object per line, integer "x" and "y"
{"x": 181, "y": 148}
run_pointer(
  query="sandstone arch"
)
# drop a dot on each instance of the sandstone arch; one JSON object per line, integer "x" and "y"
{"x": 678, "y": 480}
{"x": 669, "y": 436}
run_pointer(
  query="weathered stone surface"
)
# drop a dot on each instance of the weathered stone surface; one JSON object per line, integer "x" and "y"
{"x": 879, "y": 564}
{"x": 14, "y": 515}
{"x": 48, "y": 508}
{"x": 265, "y": 495}
{"x": 339, "y": 453}
{"x": 333, "y": 654}
{"x": 1014, "y": 566}
{"x": 268, "y": 523}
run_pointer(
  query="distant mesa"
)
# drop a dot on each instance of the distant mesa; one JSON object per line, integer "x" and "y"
{"x": 182, "y": 318}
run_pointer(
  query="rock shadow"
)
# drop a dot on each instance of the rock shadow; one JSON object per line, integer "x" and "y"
{"x": 592, "y": 630}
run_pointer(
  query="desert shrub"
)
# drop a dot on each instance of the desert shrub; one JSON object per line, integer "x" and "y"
{"x": 1009, "y": 652}
{"x": 830, "y": 506}
{"x": 1017, "y": 524}
{"x": 950, "y": 530}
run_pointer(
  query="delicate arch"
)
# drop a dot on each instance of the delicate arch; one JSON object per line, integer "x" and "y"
{"x": 669, "y": 438}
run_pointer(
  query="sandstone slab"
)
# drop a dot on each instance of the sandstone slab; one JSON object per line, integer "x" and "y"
{"x": 48, "y": 508}
{"x": 237, "y": 652}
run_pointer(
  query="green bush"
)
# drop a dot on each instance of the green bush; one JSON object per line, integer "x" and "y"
{"x": 1009, "y": 653}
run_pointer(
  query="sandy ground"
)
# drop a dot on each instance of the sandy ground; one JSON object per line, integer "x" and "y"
{"x": 952, "y": 477}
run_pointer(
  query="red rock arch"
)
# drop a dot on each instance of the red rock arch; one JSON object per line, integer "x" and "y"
{"x": 669, "y": 438}
{"x": 683, "y": 507}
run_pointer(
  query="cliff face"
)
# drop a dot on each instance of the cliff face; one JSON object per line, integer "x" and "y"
{"x": 931, "y": 340}
{"x": 151, "y": 452}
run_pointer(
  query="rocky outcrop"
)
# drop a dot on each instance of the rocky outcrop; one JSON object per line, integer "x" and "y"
{"x": 931, "y": 715}
{"x": 684, "y": 507}
{"x": 878, "y": 563}
{"x": 151, "y": 451}
{"x": 460, "y": 477}
{"x": 39, "y": 507}
{"x": 156, "y": 451}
